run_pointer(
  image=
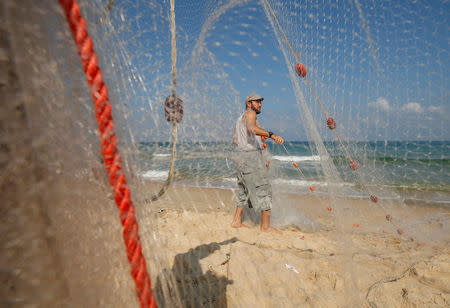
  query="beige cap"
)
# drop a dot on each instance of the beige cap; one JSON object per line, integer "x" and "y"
{"x": 254, "y": 97}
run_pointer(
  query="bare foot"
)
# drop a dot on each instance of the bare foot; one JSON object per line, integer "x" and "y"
{"x": 236, "y": 224}
{"x": 271, "y": 230}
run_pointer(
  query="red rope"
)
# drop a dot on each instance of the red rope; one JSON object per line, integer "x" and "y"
{"x": 110, "y": 152}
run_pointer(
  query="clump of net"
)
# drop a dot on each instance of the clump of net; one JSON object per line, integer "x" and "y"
{"x": 363, "y": 115}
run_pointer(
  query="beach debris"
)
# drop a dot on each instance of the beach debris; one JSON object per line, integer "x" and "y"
{"x": 385, "y": 231}
{"x": 173, "y": 109}
{"x": 311, "y": 188}
{"x": 388, "y": 217}
{"x": 356, "y": 224}
{"x": 227, "y": 260}
{"x": 295, "y": 164}
{"x": 353, "y": 165}
{"x": 161, "y": 210}
{"x": 411, "y": 239}
{"x": 419, "y": 244}
{"x": 331, "y": 123}
{"x": 303, "y": 237}
{"x": 329, "y": 208}
{"x": 292, "y": 268}
{"x": 400, "y": 231}
{"x": 268, "y": 163}
{"x": 300, "y": 68}
{"x": 404, "y": 293}
{"x": 374, "y": 198}
{"x": 264, "y": 145}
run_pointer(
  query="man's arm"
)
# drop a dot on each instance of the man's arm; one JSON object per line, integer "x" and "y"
{"x": 252, "y": 125}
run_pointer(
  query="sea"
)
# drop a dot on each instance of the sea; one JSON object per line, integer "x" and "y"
{"x": 413, "y": 172}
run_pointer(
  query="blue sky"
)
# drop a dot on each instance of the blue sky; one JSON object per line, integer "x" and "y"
{"x": 379, "y": 68}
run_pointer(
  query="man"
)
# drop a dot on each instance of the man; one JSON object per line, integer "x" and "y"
{"x": 252, "y": 174}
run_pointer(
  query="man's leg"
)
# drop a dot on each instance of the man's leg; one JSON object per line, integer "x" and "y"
{"x": 237, "y": 220}
{"x": 265, "y": 223}
{"x": 241, "y": 201}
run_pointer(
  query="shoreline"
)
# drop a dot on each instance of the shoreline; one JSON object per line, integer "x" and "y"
{"x": 305, "y": 191}
{"x": 185, "y": 197}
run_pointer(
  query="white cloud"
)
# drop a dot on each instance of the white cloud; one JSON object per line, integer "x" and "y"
{"x": 436, "y": 108}
{"x": 381, "y": 103}
{"x": 413, "y": 107}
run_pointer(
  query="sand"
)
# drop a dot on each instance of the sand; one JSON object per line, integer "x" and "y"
{"x": 218, "y": 266}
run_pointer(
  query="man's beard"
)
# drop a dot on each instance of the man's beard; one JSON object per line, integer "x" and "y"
{"x": 256, "y": 110}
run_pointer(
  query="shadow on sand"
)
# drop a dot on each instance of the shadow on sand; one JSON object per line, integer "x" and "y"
{"x": 185, "y": 285}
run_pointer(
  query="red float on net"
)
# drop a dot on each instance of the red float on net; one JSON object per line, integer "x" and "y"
{"x": 329, "y": 208}
{"x": 374, "y": 198}
{"x": 264, "y": 138}
{"x": 331, "y": 123}
{"x": 295, "y": 164}
{"x": 264, "y": 145}
{"x": 300, "y": 68}
{"x": 353, "y": 165}
{"x": 311, "y": 188}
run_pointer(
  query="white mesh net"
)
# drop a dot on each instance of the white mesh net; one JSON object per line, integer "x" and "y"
{"x": 377, "y": 235}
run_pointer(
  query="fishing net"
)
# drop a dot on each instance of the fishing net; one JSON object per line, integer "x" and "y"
{"x": 362, "y": 180}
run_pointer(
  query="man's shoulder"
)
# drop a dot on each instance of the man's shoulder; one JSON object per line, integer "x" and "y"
{"x": 250, "y": 113}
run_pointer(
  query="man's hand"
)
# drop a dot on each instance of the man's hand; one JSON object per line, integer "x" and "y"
{"x": 277, "y": 139}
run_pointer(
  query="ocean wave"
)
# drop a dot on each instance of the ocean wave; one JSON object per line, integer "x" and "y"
{"x": 161, "y": 155}
{"x": 232, "y": 180}
{"x": 405, "y": 160}
{"x": 155, "y": 174}
{"x": 306, "y": 183}
{"x": 296, "y": 158}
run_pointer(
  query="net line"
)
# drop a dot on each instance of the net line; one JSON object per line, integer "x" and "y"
{"x": 174, "y": 87}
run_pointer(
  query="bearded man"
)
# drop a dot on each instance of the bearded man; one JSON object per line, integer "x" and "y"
{"x": 254, "y": 189}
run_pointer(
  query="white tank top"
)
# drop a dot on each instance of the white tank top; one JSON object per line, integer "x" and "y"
{"x": 245, "y": 139}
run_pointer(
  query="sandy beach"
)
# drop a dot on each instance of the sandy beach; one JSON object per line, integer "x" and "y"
{"x": 369, "y": 265}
